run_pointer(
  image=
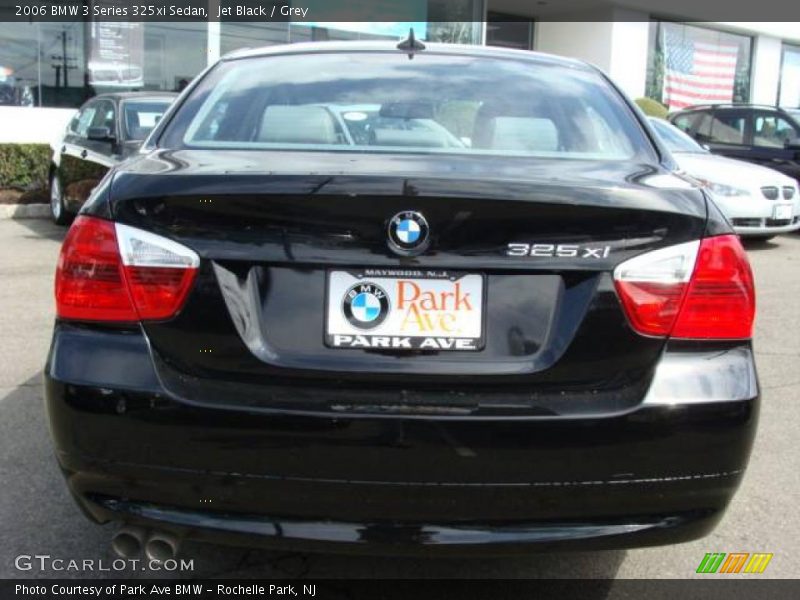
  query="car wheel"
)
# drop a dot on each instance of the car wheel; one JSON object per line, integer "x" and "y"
{"x": 58, "y": 211}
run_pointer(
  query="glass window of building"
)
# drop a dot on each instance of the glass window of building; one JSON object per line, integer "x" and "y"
{"x": 509, "y": 31}
{"x": 789, "y": 82}
{"x": 690, "y": 65}
{"x": 447, "y": 21}
{"x": 237, "y": 35}
{"x": 42, "y": 64}
{"x": 234, "y": 36}
{"x": 64, "y": 64}
{"x": 173, "y": 54}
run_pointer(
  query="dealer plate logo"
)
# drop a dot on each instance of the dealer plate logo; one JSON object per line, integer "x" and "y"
{"x": 365, "y": 305}
{"x": 405, "y": 309}
{"x": 408, "y": 233}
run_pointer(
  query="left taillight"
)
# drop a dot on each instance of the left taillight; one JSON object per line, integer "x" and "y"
{"x": 113, "y": 272}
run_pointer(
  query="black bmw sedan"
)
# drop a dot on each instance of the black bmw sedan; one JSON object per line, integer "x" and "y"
{"x": 105, "y": 131}
{"x": 367, "y": 298}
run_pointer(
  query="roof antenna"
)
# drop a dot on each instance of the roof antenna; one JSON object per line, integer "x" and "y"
{"x": 411, "y": 44}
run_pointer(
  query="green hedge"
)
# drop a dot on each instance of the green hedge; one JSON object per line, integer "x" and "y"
{"x": 24, "y": 166}
{"x": 652, "y": 108}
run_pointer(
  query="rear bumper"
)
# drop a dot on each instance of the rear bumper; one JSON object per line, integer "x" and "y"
{"x": 662, "y": 472}
{"x": 391, "y": 538}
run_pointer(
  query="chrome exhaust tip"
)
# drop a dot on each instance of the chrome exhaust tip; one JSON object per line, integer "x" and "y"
{"x": 161, "y": 546}
{"x": 128, "y": 541}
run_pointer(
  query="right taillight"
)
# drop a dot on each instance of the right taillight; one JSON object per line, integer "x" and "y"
{"x": 159, "y": 272}
{"x": 116, "y": 273}
{"x": 696, "y": 290}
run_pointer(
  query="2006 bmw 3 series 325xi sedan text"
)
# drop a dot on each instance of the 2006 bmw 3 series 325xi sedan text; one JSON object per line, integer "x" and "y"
{"x": 362, "y": 297}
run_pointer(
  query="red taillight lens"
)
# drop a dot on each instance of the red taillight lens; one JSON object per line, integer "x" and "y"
{"x": 90, "y": 284}
{"x": 159, "y": 292}
{"x": 651, "y": 307}
{"x": 698, "y": 290}
{"x": 109, "y": 272}
{"x": 721, "y": 300}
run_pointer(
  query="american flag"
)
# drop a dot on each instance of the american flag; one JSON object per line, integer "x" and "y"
{"x": 697, "y": 72}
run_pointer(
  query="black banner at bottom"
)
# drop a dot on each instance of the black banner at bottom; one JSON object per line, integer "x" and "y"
{"x": 334, "y": 589}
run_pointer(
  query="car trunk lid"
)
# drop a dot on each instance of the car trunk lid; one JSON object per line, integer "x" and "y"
{"x": 272, "y": 229}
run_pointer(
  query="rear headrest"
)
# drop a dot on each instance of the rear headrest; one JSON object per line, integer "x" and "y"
{"x": 418, "y": 138}
{"x": 523, "y": 134}
{"x": 514, "y": 125}
{"x": 297, "y": 125}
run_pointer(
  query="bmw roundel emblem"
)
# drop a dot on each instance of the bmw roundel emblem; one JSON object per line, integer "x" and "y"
{"x": 365, "y": 305}
{"x": 408, "y": 233}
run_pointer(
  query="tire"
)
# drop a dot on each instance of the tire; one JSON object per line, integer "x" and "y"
{"x": 58, "y": 212}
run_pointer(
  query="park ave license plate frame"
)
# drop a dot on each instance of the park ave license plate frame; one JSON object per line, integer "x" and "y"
{"x": 405, "y": 310}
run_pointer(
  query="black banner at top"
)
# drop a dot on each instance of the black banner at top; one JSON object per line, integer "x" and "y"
{"x": 314, "y": 11}
{"x": 223, "y": 10}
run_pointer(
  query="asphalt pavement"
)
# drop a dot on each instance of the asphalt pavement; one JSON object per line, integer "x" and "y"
{"x": 37, "y": 517}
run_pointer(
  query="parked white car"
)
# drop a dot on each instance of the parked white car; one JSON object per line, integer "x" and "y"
{"x": 759, "y": 202}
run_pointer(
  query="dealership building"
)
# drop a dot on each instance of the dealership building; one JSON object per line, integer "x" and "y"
{"x": 47, "y": 69}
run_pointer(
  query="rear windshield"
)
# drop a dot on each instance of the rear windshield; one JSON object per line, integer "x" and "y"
{"x": 379, "y": 102}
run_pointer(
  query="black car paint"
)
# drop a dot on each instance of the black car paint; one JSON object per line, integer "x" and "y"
{"x": 211, "y": 428}
{"x": 274, "y": 234}
{"x": 80, "y": 163}
{"x": 786, "y": 160}
{"x": 392, "y": 483}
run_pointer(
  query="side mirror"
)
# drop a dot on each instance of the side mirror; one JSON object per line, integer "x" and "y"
{"x": 100, "y": 134}
{"x": 706, "y": 147}
{"x": 793, "y": 144}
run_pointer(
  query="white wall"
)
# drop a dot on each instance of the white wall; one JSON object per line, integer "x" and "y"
{"x": 786, "y": 30}
{"x": 766, "y": 70}
{"x": 33, "y": 125}
{"x": 618, "y": 47}
{"x": 628, "y": 65}
{"x": 616, "y": 39}
{"x": 589, "y": 41}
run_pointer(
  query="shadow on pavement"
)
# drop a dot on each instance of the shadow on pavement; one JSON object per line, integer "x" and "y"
{"x": 37, "y": 516}
{"x": 759, "y": 245}
{"x": 578, "y": 565}
{"x": 44, "y": 228}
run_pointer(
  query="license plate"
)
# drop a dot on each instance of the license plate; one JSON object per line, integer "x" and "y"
{"x": 781, "y": 212}
{"x": 399, "y": 309}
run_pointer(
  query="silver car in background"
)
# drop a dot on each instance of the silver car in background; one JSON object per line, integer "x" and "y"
{"x": 759, "y": 202}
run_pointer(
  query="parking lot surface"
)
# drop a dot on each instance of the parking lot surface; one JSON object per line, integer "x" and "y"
{"x": 37, "y": 517}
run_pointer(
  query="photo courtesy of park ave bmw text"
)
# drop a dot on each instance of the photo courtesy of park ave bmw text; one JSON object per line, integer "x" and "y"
{"x": 399, "y": 297}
